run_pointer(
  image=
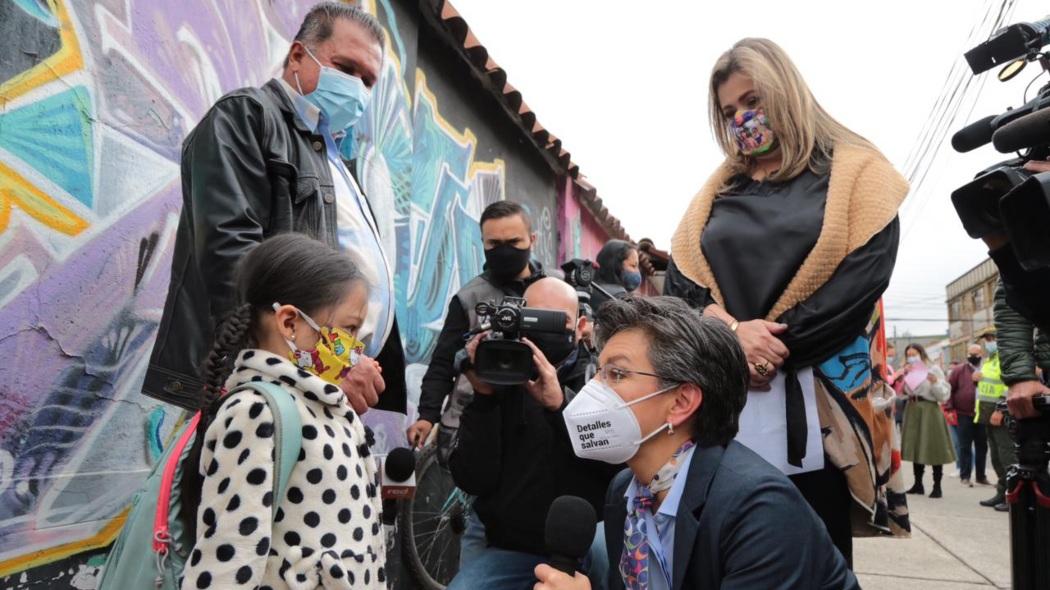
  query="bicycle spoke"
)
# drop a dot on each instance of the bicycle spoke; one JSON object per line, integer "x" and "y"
{"x": 427, "y": 517}
{"x": 426, "y": 513}
{"x": 430, "y": 548}
{"x": 430, "y": 539}
{"x": 441, "y": 562}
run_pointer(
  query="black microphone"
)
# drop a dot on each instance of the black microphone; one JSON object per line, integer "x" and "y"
{"x": 973, "y": 135}
{"x": 569, "y": 532}
{"x": 1030, "y": 130}
{"x": 399, "y": 481}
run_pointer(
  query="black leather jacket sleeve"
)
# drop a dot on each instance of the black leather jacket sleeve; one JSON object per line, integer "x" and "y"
{"x": 229, "y": 193}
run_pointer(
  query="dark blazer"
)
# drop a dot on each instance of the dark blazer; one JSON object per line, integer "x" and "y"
{"x": 741, "y": 524}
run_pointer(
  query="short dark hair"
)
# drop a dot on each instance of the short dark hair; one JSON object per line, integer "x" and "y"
{"x": 685, "y": 347}
{"x": 320, "y": 20}
{"x": 501, "y": 209}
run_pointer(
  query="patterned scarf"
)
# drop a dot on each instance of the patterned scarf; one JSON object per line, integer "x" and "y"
{"x": 634, "y": 562}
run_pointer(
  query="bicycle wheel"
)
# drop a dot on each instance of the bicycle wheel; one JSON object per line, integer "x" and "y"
{"x": 432, "y": 523}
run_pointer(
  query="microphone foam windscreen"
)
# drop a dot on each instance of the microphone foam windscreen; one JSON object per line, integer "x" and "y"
{"x": 1028, "y": 131}
{"x": 400, "y": 464}
{"x": 570, "y": 526}
{"x": 973, "y": 135}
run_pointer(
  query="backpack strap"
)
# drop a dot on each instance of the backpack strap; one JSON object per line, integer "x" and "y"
{"x": 288, "y": 433}
{"x": 161, "y": 534}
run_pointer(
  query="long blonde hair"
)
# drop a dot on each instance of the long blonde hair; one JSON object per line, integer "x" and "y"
{"x": 807, "y": 134}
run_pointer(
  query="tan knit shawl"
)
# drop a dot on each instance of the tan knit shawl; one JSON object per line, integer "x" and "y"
{"x": 864, "y": 193}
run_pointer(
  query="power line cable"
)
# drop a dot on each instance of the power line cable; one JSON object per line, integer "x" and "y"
{"x": 945, "y": 117}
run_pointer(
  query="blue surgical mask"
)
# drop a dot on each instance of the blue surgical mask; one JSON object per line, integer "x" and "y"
{"x": 632, "y": 280}
{"x": 341, "y": 97}
{"x": 991, "y": 347}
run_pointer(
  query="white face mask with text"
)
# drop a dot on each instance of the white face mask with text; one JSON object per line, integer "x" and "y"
{"x": 602, "y": 426}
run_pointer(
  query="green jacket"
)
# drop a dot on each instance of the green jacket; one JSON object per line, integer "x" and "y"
{"x": 1021, "y": 348}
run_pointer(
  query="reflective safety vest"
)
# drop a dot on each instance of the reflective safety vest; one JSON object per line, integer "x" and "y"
{"x": 991, "y": 387}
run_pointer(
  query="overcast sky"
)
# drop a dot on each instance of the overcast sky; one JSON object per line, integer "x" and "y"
{"x": 624, "y": 85}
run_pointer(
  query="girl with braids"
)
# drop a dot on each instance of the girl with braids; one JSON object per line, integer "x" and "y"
{"x": 300, "y": 304}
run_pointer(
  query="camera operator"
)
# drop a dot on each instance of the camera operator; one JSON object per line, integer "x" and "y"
{"x": 1008, "y": 207}
{"x": 1024, "y": 433}
{"x": 506, "y": 232}
{"x": 514, "y": 453}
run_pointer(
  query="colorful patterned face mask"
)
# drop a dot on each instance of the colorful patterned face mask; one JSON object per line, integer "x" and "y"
{"x": 752, "y": 132}
{"x": 336, "y": 352}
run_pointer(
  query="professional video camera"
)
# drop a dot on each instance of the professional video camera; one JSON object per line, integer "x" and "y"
{"x": 1008, "y": 204}
{"x": 580, "y": 273}
{"x": 1005, "y": 198}
{"x": 503, "y": 359}
{"x": 1028, "y": 494}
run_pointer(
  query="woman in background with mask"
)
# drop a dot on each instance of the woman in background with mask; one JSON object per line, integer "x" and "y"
{"x": 300, "y": 304}
{"x": 925, "y": 439}
{"x": 618, "y": 272}
{"x": 791, "y": 242}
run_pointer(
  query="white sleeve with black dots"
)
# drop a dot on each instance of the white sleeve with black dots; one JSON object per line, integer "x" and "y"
{"x": 234, "y": 521}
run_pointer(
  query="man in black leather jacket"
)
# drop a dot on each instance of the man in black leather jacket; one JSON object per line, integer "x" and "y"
{"x": 265, "y": 161}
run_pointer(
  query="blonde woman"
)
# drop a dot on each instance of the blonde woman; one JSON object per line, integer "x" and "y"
{"x": 791, "y": 242}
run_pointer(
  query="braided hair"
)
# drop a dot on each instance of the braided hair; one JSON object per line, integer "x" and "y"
{"x": 230, "y": 338}
{"x": 290, "y": 269}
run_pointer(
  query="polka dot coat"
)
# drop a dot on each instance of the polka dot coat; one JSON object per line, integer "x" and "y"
{"x": 326, "y": 532}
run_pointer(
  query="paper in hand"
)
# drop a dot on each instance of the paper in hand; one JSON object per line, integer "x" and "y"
{"x": 915, "y": 376}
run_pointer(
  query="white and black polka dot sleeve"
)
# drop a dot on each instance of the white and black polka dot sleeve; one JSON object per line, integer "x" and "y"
{"x": 234, "y": 521}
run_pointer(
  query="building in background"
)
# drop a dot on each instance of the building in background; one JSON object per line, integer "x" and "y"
{"x": 97, "y": 97}
{"x": 970, "y": 300}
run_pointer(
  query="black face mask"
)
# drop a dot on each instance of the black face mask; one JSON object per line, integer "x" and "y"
{"x": 506, "y": 262}
{"x": 974, "y": 359}
{"x": 556, "y": 347}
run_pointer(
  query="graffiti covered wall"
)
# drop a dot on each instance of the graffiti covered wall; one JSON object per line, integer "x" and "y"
{"x": 582, "y": 235}
{"x": 95, "y": 98}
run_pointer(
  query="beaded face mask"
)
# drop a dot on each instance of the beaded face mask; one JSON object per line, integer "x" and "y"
{"x": 752, "y": 132}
